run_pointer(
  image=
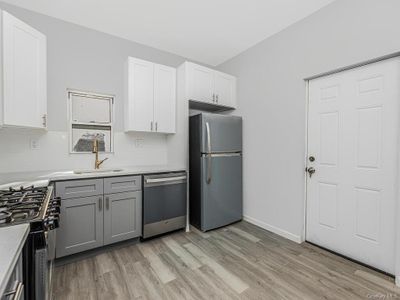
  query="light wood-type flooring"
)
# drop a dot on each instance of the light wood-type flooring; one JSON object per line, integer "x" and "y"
{"x": 240, "y": 261}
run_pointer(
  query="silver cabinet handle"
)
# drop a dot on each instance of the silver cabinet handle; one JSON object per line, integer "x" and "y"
{"x": 100, "y": 203}
{"x": 213, "y": 97}
{"x": 44, "y": 120}
{"x": 156, "y": 126}
{"x": 151, "y": 125}
{"x": 208, "y": 153}
{"x": 216, "y": 98}
{"x": 107, "y": 203}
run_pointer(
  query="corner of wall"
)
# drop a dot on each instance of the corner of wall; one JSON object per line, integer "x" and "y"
{"x": 281, "y": 232}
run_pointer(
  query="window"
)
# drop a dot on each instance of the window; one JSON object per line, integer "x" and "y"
{"x": 90, "y": 118}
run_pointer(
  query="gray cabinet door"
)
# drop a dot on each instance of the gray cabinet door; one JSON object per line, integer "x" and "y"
{"x": 81, "y": 225}
{"x": 122, "y": 216}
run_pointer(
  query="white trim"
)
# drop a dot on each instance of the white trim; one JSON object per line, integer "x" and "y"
{"x": 304, "y": 229}
{"x": 281, "y": 232}
{"x": 111, "y": 98}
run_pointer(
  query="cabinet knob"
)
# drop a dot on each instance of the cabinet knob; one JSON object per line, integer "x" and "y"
{"x": 151, "y": 125}
{"x": 107, "y": 203}
{"x": 213, "y": 97}
{"x": 156, "y": 126}
{"x": 216, "y": 98}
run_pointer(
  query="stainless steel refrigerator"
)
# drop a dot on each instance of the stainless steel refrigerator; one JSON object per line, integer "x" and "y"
{"x": 215, "y": 169}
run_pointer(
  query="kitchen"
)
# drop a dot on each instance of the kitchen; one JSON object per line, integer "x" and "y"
{"x": 172, "y": 165}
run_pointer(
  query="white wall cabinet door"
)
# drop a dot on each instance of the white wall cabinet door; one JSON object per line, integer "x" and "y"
{"x": 140, "y": 100}
{"x": 352, "y": 137}
{"x": 225, "y": 89}
{"x": 210, "y": 86}
{"x": 201, "y": 83}
{"x": 151, "y": 100}
{"x": 164, "y": 99}
{"x": 24, "y": 74}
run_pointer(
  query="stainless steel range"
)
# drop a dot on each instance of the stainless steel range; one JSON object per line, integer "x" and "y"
{"x": 36, "y": 206}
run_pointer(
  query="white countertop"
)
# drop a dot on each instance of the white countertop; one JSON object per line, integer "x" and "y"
{"x": 42, "y": 178}
{"x": 12, "y": 240}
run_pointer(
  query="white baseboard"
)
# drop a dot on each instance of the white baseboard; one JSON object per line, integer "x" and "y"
{"x": 397, "y": 280}
{"x": 276, "y": 230}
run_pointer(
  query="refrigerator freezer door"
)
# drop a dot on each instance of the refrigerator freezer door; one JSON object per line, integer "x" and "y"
{"x": 221, "y": 133}
{"x": 221, "y": 202}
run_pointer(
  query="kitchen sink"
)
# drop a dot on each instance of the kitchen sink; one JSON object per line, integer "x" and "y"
{"x": 97, "y": 171}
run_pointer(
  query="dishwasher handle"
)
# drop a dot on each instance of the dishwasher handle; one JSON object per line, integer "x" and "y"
{"x": 165, "y": 179}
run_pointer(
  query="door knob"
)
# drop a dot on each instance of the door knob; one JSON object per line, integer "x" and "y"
{"x": 310, "y": 171}
{"x": 311, "y": 158}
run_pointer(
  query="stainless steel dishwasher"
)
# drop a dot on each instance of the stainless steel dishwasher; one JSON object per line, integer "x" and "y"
{"x": 164, "y": 203}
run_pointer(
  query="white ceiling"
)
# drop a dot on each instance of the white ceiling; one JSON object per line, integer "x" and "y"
{"x": 208, "y": 31}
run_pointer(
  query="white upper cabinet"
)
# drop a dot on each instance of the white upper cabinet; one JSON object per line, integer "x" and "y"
{"x": 200, "y": 83}
{"x": 164, "y": 98}
{"x": 140, "y": 102}
{"x": 150, "y": 102}
{"x": 24, "y": 95}
{"x": 225, "y": 89}
{"x": 210, "y": 86}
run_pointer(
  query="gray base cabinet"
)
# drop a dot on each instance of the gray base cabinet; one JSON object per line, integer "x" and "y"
{"x": 112, "y": 213}
{"x": 122, "y": 216}
{"x": 81, "y": 225}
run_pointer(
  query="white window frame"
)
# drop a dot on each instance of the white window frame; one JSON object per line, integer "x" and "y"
{"x": 71, "y": 122}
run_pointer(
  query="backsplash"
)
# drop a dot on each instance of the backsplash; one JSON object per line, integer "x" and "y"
{"x": 25, "y": 151}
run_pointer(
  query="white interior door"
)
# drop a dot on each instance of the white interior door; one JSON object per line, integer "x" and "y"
{"x": 24, "y": 74}
{"x": 353, "y": 136}
{"x": 164, "y": 98}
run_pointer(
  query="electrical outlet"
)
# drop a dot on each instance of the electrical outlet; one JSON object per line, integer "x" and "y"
{"x": 139, "y": 143}
{"x": 34, "y": 144}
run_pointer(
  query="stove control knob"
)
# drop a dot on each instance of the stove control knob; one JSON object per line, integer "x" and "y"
{"x": 56, "y": 223}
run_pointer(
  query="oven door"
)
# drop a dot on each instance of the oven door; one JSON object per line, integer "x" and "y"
{"x": 164, "y": 203}
{"x": 44, "y": 265}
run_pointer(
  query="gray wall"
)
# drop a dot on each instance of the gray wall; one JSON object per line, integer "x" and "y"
{"x": 88, "y": 60}
{"x": 85, "y": 59}
{"x": 272, "y": 97}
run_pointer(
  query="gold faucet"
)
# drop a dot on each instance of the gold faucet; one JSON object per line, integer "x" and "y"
{"x": 95, "y": 150}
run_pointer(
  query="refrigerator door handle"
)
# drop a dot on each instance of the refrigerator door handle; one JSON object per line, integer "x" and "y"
{"x": 208, "y": 137}
{"x": 208, "y": 152}
{"x": 209, "y": 158}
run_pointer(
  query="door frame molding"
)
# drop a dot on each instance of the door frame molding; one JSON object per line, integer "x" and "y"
{"x": 397, "y": 207}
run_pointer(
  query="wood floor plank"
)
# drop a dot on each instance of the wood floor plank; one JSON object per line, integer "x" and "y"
{"x": 162, "y": 271}
{"x": 244, "y": 234}
{"x": 182, "y": 253}
{"x": 234, "y": 282}
{"x": 241, "y": 261}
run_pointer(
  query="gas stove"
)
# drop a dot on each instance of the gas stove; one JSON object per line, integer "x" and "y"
{"x": 37, "y": 207}
{"x": 29, "y": 204}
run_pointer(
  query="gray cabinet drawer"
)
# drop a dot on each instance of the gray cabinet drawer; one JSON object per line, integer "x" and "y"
{"x": 79, "y": 188}
{"x": 122, "y": 184}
